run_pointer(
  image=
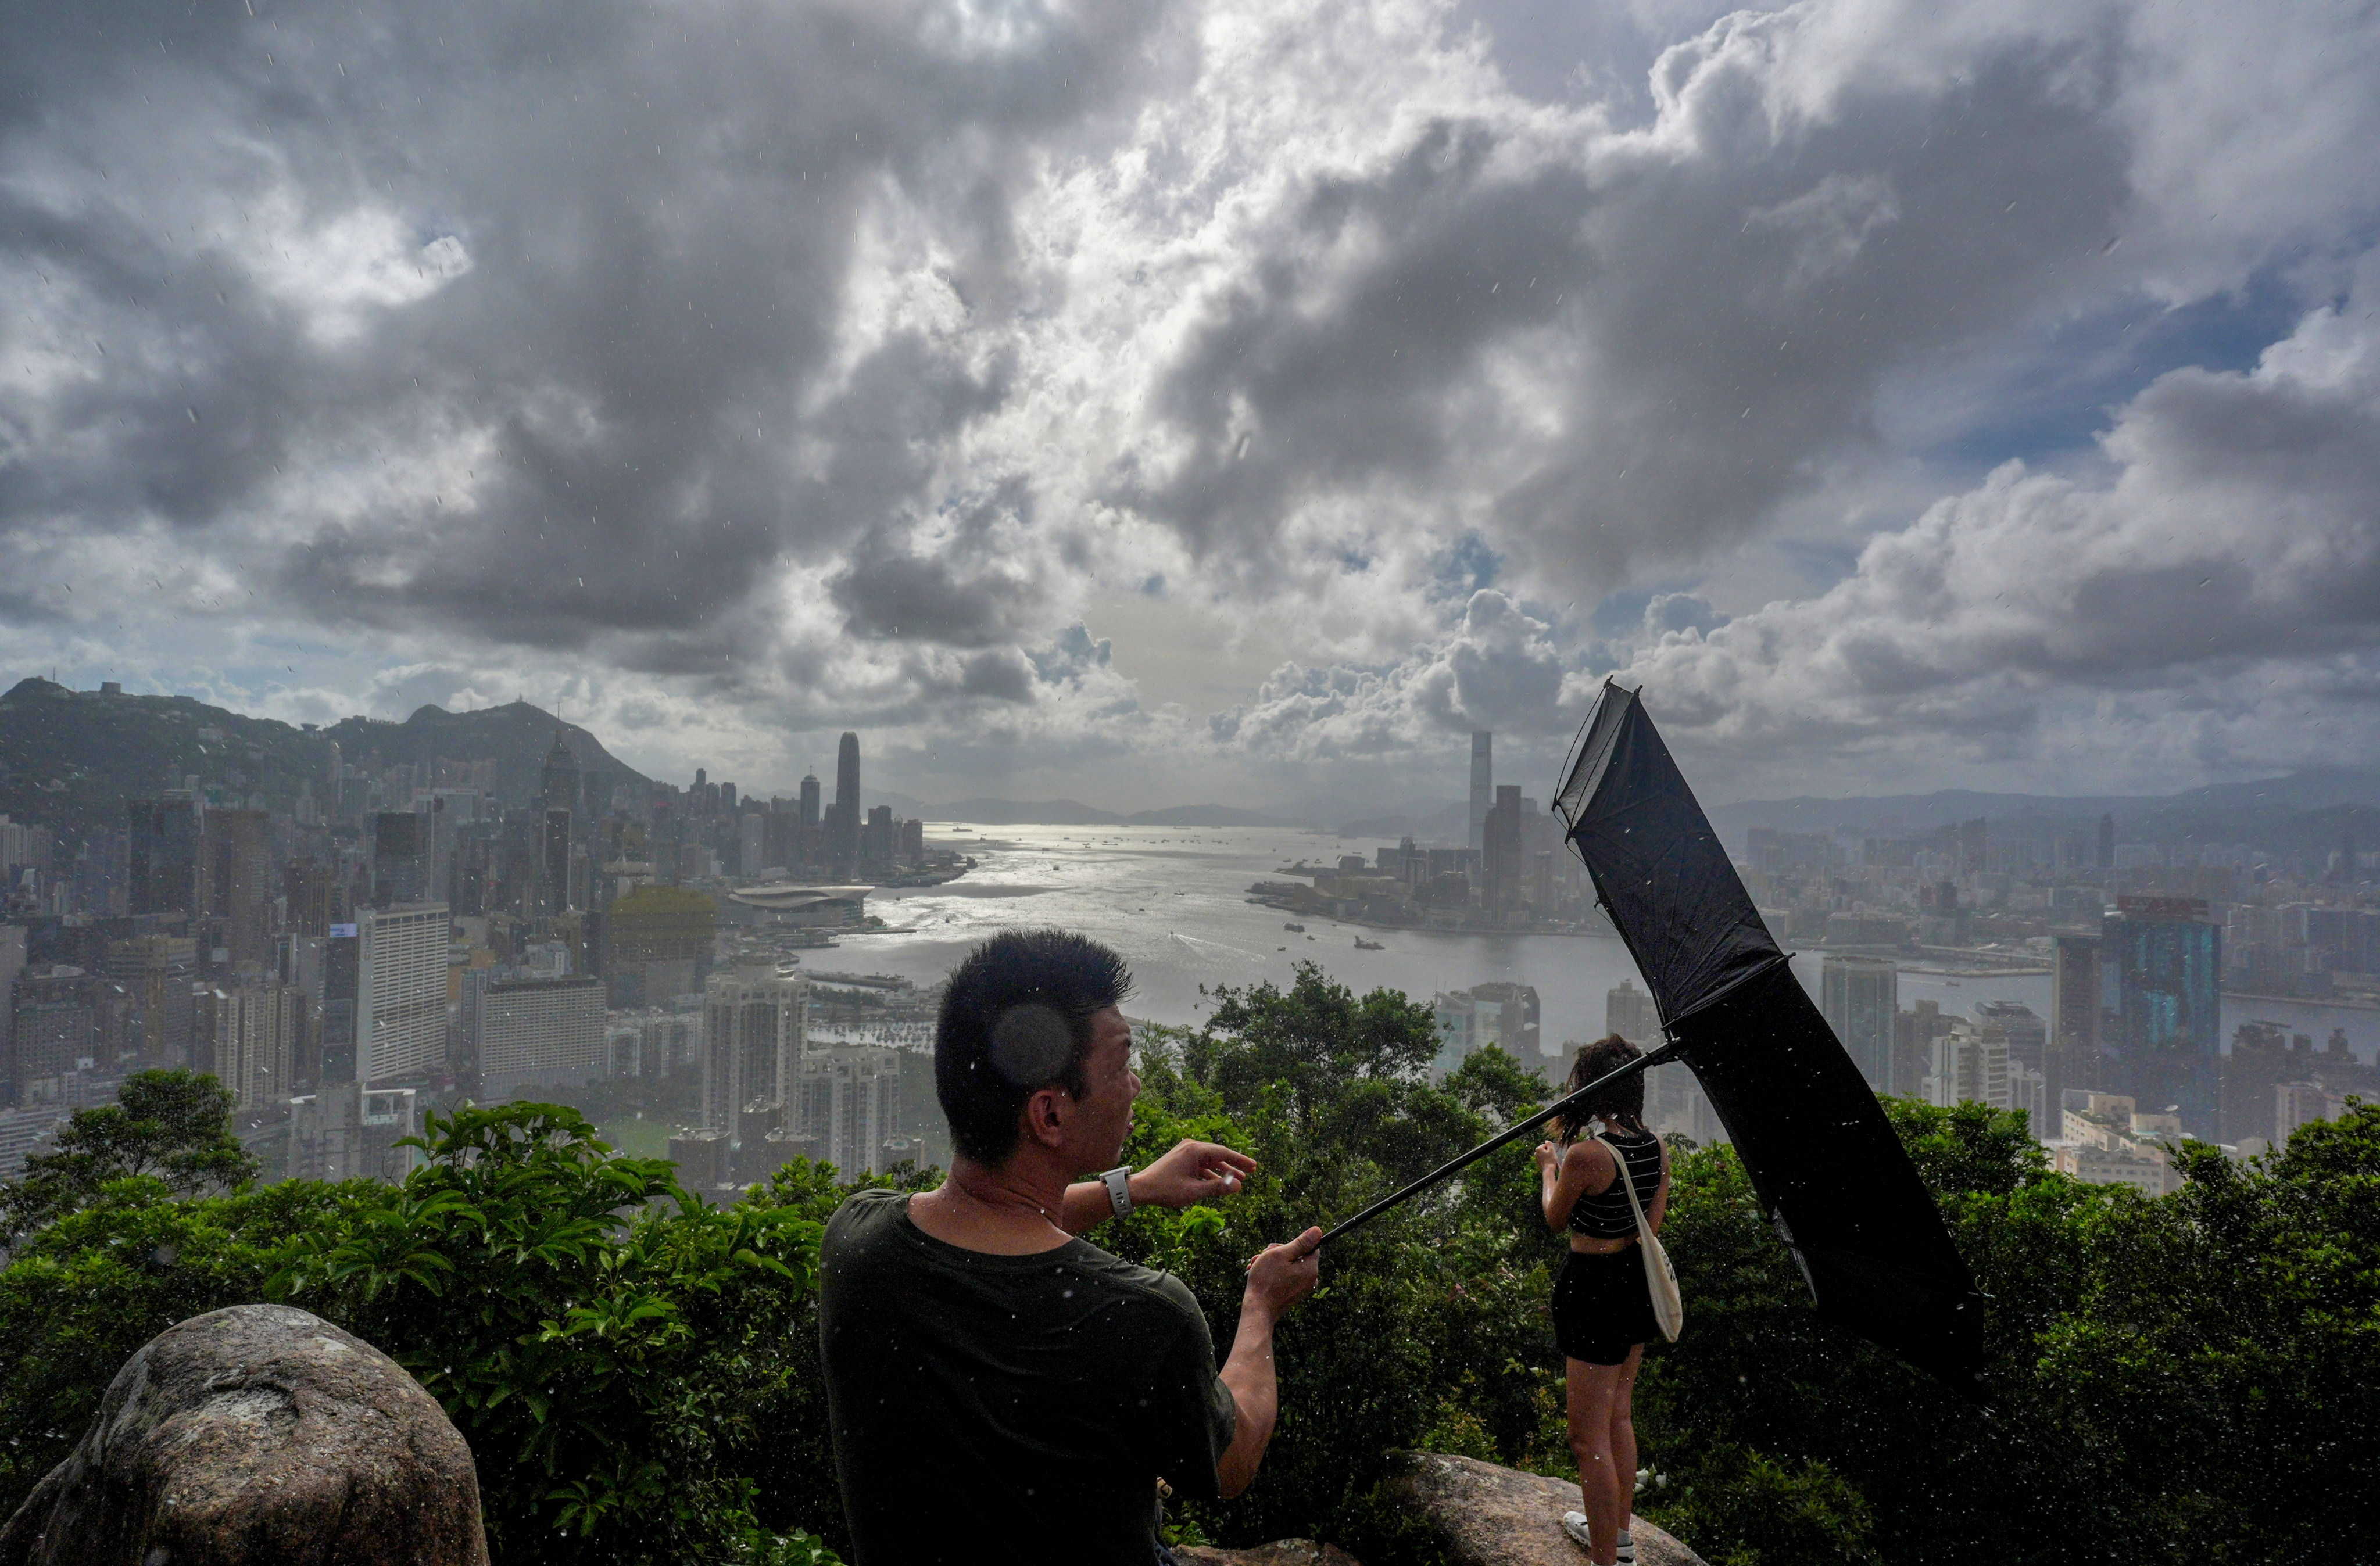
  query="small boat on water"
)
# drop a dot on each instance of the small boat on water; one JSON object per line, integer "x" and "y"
{"x": 1299, "y": 929}
{"x": 1363, "y": 945}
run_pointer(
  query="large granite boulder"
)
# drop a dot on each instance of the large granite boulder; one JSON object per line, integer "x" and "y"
{"x": 253, "y": 1435}
{"x": 1487, "y": 1515}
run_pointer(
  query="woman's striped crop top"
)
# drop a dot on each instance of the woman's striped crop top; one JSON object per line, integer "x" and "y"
{"x": 1606, "y": 1215}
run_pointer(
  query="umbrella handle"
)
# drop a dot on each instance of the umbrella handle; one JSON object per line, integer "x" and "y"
{"x": 1644, "y": 1062}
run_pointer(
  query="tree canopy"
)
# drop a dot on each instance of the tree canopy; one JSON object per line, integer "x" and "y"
{"x": 173, "y": 1126}
{"x": 2182, "y": 1380}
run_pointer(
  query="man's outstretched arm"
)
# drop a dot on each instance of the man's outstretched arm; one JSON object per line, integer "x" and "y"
{"x": 1278, "y": 1279}
{"x": 1190, "y": 1173}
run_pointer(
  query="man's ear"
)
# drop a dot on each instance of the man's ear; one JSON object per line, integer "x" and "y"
{"x": 1044, "y": 1115}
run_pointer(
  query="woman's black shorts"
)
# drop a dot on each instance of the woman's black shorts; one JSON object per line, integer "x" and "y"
{"x": 1602, "y": 1305}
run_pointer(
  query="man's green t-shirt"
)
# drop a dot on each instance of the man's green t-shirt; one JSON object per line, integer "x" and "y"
{"x": 994, "y": 1407}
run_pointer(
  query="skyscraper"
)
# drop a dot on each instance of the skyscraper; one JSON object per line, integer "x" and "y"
{"x": 846, "y": 1099}
{"x": 658, "y": 945}
{"x": 240, "y": 864}
{"x": 400, "y": 992}
{"x": 1974, "y": 839}
{"x": 2105, "y": 856}
{"x": 557, "y": 781}
{"x": 752, "y": 1033}
{"x": 1483, "y": 780}
{"x": 1500, "y": 852}
{"x": 542, "y": 1033}
{"x": 1861, "y": 996}
{"x": 2073, "y": 1056}
{"x": 810, "y": 805}
{"x": 843, "y": 839}
{"x": 258, "y": 1029}
{"x": 2168, "y": 964}
{"x": 1630, "y": 1013}
{"x": 400, "y": 857}
{"x": 168, "y": 855}
{"x": 554, "y": 859}
{"x": 342, "y": 992}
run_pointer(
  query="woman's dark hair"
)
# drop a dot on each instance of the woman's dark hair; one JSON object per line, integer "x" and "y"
{"x": 1623, "y": 1102}
{"x": 1016, "y": 1018}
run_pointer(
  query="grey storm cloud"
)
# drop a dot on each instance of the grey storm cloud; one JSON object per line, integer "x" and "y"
{"x": 1705, "y": 308}
{"x": 965, "y": 584}
{"x": 2214, "y": 595}
{"x": 600, "y": 387}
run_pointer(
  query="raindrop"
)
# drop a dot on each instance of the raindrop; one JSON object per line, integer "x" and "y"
{"x": 193, "y": 413}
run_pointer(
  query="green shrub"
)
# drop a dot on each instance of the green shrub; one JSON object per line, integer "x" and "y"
{"x": 2188, "y": 1379}
{"x": 615, "y": 1349}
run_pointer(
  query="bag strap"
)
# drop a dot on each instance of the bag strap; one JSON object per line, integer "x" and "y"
{"x": 1628, "y": 1181}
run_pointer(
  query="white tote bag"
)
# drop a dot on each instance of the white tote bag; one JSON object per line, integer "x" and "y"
{"x": 1668, "y": 1306}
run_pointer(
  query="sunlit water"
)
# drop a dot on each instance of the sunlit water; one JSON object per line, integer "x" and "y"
{"x": 1174, "y": 900}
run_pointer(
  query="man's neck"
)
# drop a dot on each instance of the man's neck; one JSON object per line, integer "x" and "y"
{"x": 1015, "y": 1208}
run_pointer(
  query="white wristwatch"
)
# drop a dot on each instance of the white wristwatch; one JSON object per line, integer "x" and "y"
{"x": 1118, "y": 1183}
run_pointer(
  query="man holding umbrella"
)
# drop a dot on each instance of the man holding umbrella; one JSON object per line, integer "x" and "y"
{"x": 999, "y": 1388}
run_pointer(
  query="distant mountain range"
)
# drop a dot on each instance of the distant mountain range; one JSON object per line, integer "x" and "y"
{"x": 68, "y": 759}
{"x": 2304, "y": 810}
{"x": 516, "y": 736}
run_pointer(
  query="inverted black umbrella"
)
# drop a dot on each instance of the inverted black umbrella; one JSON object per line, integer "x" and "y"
{"x": 1829, "y": 1169}
{"x": 1825, "y": 1162}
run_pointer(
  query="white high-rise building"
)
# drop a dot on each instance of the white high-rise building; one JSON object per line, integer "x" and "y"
{"x": 752, "y": 1032}
{"x": 542, "y": 1033}
{"x": 401, "y": 990}
{"x": 1971, "y": 1066}
{"x": 847, "y": 1100}
{"x": 257, "y": 1036}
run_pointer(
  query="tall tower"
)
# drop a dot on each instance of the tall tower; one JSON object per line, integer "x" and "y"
{"x": 809, "y": 803}
{"x": 557, "y": 784}
{"x": 1483, "y": 782}
{"x": 1860, "y": 998}
{"x": 2168, "y": 1046}
{"x": 843, "y": 837}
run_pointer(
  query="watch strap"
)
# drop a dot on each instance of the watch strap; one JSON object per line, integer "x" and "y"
{"x": 1118, "y": 1183}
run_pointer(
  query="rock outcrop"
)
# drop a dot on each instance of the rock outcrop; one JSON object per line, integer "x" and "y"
{"x": 253, "y": 1435}
{"x": 1282, "y": 1552}
{"x": 1486, "y": 1515}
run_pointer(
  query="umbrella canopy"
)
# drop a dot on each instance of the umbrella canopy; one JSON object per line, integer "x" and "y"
{"x": 1830, "y": 1172}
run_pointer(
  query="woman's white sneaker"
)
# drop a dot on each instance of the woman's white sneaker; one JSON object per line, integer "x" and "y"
{"x": 1627, "y": 1549}
{"x": 1574, "y": 1525}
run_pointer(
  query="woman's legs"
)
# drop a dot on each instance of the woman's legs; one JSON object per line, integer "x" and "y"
{"x": 1623, "y": 1434}
{"x": 1593, "y": 1388}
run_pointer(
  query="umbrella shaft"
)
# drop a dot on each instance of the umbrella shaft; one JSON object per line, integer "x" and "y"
{"x": 1661, "y": 1056}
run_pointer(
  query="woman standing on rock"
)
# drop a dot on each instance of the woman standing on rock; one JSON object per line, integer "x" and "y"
{"x": 1603, "y": 1304}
